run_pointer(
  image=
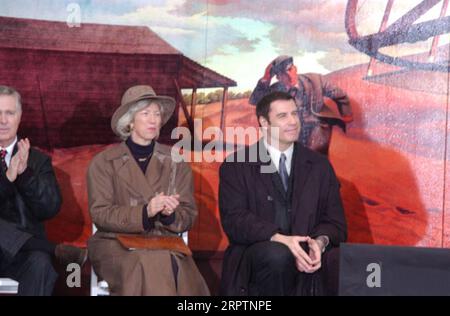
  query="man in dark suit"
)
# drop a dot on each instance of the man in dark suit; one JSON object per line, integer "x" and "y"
{"x": 281, "y": 210}
{"x": 29, "y": 195}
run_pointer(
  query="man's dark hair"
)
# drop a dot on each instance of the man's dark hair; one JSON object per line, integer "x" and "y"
{"x": 263, "y": 106}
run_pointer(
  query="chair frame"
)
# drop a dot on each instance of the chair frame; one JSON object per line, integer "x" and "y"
{"x": 8, "y": 286}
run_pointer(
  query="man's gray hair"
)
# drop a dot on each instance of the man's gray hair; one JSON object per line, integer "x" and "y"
{"x": 5, "y": 90}
{"x": 124, "y": 123}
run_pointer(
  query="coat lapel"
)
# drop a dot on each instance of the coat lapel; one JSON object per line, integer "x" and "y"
{"x": 301, "y": 174}
{"x": 130, "y": 173}
{"x": 155, "y": 178}
{"x": 276, "y": 180}
{"x": 159, "y": 170}
{"x": 265, "y": 167}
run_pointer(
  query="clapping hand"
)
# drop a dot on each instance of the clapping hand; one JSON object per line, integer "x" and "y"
{"x": 19, "y": 161}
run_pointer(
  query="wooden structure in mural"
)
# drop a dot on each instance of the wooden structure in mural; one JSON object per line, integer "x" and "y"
{"x": 72, "y": 78}
{"x": 404, "y": 30}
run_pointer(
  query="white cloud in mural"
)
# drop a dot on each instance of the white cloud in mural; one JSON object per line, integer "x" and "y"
{"x": 198, "y": 35}
{"x": 292, "y": 21}
{"x": 161, "y": 30}
{"x": 310, "y": 62}
{"x": 334, "y": 59}
{"x": 246, "y": 68}
{"x": 159, "y": 16}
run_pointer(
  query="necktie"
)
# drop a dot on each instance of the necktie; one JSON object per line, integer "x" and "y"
{"x": 3, "y": 153}
{"x": 283, "y": 172}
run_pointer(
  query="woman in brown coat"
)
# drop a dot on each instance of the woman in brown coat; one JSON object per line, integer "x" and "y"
{"x": 135, "y": 188}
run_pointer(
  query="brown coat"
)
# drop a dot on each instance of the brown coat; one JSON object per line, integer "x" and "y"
{"x": 118, "y": 191}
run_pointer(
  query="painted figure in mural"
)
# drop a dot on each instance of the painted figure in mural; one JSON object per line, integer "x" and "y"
{"x": 136, "y": 189}
{"x": 309, "y": 90}
{"x": 29, "y": 195}
{"x": 280, "y": 230}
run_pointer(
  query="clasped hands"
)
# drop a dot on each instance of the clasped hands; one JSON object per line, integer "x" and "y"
{"x": 164, "y": 204}
{"x": 305, "y": 262}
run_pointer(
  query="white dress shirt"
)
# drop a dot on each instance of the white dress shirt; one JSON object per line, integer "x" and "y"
{"x": 275, "y": 155}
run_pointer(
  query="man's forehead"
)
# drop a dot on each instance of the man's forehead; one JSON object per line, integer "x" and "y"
{"x": 8, "y": 103}
{"x": 7, "y": 99}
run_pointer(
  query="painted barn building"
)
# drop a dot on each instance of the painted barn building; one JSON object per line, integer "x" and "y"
{"x": 72, "y": 78}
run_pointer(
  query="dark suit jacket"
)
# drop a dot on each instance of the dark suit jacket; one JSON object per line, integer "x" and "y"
{"x": 247, "y": 210}
{"x": 27, "y": 202}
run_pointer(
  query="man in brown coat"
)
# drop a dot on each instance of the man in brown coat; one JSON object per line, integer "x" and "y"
{"x": 136, "y": 189}
{"x": 282, "y": 212}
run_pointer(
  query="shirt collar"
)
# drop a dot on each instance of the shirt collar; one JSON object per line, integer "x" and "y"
{"x": 275, "y": 154}
{"x": 9, "y": 151}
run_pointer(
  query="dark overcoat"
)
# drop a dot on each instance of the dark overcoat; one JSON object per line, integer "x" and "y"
{"x": 247, "y": 206}
{"x": 27, "y": 203}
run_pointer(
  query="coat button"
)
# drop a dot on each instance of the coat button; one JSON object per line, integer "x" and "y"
{"x": 242, "y": 290}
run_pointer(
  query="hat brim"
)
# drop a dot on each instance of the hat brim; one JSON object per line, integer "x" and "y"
{"x": 167, "y": 105}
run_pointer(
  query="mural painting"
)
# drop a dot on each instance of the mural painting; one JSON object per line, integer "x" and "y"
{"x": 371, "y": 79}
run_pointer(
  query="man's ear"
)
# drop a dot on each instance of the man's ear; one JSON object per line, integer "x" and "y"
{"x": 263, "y": 121}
